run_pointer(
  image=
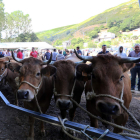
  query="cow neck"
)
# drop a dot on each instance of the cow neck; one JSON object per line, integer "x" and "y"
{"x": 72, "y": 91}
{"x": 92, "y": 94}
{"x": 3, "y": 74}
{"x": 36, "y": 90}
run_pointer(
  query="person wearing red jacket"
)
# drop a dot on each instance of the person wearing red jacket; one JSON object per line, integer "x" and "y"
{"x": 19, "y": 54}
{"x": 34, "y": 53}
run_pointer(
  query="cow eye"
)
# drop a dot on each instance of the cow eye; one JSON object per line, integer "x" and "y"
{"x": 121, "y": 77}
{"x": 38, "y": 74}
{"x": 2, "y": 69}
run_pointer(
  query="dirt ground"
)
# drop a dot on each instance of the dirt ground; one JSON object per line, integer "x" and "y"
{"x": 14, "y": 125}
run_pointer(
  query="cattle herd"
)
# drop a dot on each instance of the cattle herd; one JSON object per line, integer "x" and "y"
{"x": 35, "y": 81}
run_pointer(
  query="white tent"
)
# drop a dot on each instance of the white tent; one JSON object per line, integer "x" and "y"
{"x": 25, "y": 45}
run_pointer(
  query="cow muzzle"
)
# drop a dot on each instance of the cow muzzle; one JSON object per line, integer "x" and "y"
{"x": 25, "y": 95}
{"x": 64, "y": 104}
{"x": 108, "y": 108}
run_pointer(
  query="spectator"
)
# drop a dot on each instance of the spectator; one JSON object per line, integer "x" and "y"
{"x": 19, "y": 54}
{"x": 15, "y": 53}
{"x": 47, "y": 55}
{"x": 79, "y": 51}
{"x": 54, "y": 54}
{"x": 136, "y": 70}
{"x": 71, "y": 52}
{"x": 68, "y": 54}
{"x": 60, "y": 56}
{"x": 34, "y": 53}
{"x": 64, "y": 52}
{"x": 120, "y": 52}
{"x": 1, "y": 54}
{"x": 104, "y": 51}
{"x": 23, "y": 55}
{"x": 8, "y": 53}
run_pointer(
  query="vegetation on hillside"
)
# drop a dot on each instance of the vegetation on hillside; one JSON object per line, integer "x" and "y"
{"x": 124, "y": 17}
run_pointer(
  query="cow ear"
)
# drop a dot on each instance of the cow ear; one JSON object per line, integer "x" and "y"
{"x": 127, "y": 66}
{"x": 83, "y": 72}
{"x": 14, "y": 67}
{"x": 48, "y": 70}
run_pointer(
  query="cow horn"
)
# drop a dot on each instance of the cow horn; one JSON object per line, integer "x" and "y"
{"x": 46, "y": 62}
{"x": 130, "y": 60}
{"x": 86, "y": 58}
{"x": 16, "y": 59}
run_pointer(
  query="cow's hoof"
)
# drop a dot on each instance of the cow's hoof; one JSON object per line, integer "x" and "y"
{"x": 30, "y": 138}
{"x": 42, "y": 133}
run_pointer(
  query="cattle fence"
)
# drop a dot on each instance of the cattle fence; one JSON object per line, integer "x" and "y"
{"x": 93, "y": 132}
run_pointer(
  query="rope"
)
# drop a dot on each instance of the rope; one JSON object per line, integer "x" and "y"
{"x": 103, "y": 134}
{"x": 114, "y": 125}
{"x": 65, "y": 129}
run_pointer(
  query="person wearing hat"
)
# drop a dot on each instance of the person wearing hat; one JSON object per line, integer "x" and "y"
{"x": 120, "y": 52}
{"x": 104, "y": 51}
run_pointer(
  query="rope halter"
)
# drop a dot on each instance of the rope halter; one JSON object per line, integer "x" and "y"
{"x": 92, "y": 94}
{"x": 72, "y": 91}
{"x": 36, "y": 90}
{"x": 1, "y": 76}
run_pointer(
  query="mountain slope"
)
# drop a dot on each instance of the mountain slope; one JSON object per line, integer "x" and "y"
{"x": 118, "y": 13}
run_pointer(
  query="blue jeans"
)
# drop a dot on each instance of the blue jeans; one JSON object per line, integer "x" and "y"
{"x": 134, "y": 71}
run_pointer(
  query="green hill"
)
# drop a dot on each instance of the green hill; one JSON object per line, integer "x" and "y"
{"x": 125, "y": 16}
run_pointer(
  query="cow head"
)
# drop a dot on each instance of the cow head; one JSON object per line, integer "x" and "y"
{"x": 32, "y": 71}
{"x": 64, "y": 82}
{"x": 107, "y": 74}
{"x": 3, "y": 68}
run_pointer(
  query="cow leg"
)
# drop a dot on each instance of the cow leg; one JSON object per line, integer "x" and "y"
{"x": 42, "y": 129}
{"x": 31, "y": 131}
{"x": 120, "y": 120}
{"x": 93, "y": 122}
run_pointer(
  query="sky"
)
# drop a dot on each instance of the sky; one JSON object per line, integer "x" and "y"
{"x": 49, "y": 14}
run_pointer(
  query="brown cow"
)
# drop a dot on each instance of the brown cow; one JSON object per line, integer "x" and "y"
{"x": 108, "y": 75}
{"x": 64, "y": 83}
{"x": 32, "y": 75}
{"x": 6, "y": 75}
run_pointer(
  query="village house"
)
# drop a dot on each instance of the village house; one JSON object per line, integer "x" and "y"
{"x": 66, "y": 43}
{"x": 107, "y": 36}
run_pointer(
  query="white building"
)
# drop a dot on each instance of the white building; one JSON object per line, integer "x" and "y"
{"x": 136, "y": 32}
{"x": 66, "y": 43}
{"x": 107, "y": 36}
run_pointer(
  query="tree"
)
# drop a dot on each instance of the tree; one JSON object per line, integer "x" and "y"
{"x": 27, "y": 37}
{"x": 115, "y": 30}
{"x": 107, "y": 43}
{"x": 17, "y": 23}
{"x": 92, "y": 45}
{"x": 101, "y": 27}
{"x": 96, "y": 29}
{"x": 93, "y": 34}
{"x": 2, "y": 17}
{"x": 58, "y": 42}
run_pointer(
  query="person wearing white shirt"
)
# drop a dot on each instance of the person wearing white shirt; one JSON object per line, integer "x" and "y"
{"x": 120, "y": 52}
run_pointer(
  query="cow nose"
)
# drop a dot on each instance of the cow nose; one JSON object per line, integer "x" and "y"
{"x": 64, "y": 105}
{"x": 22, "y": 94}
{"x": 108, "y": 108}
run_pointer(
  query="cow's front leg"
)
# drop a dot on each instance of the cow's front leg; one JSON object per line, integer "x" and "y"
{"x": 42, "y": 129}
{"x": 31, "y": 131}
{"x": 93, "y": 122}
{"x": 63, "y": 114}
{"x": 120, "y": 120}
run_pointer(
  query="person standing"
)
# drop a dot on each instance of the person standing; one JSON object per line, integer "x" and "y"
{"x": 79, "y": 51}
{"x": 135, "y": 70}
{"x": 23, "y": 55}
{"x": 19, "y": 54}
{"x": 15, "y": 53}
{"x": 64, "y": 52}
{"x": 47, "y": 55}
{"x": 120, "y": 52}
{"x": 8, "y": 53}
{"x": 104, "y": 51}
{"x": 54, "y": 54}
{"x": 60, "y": 56}
{"x": 34, "y": 53}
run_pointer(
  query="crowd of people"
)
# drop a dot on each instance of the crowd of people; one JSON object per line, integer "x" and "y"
{"x": 60, "y": 55}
